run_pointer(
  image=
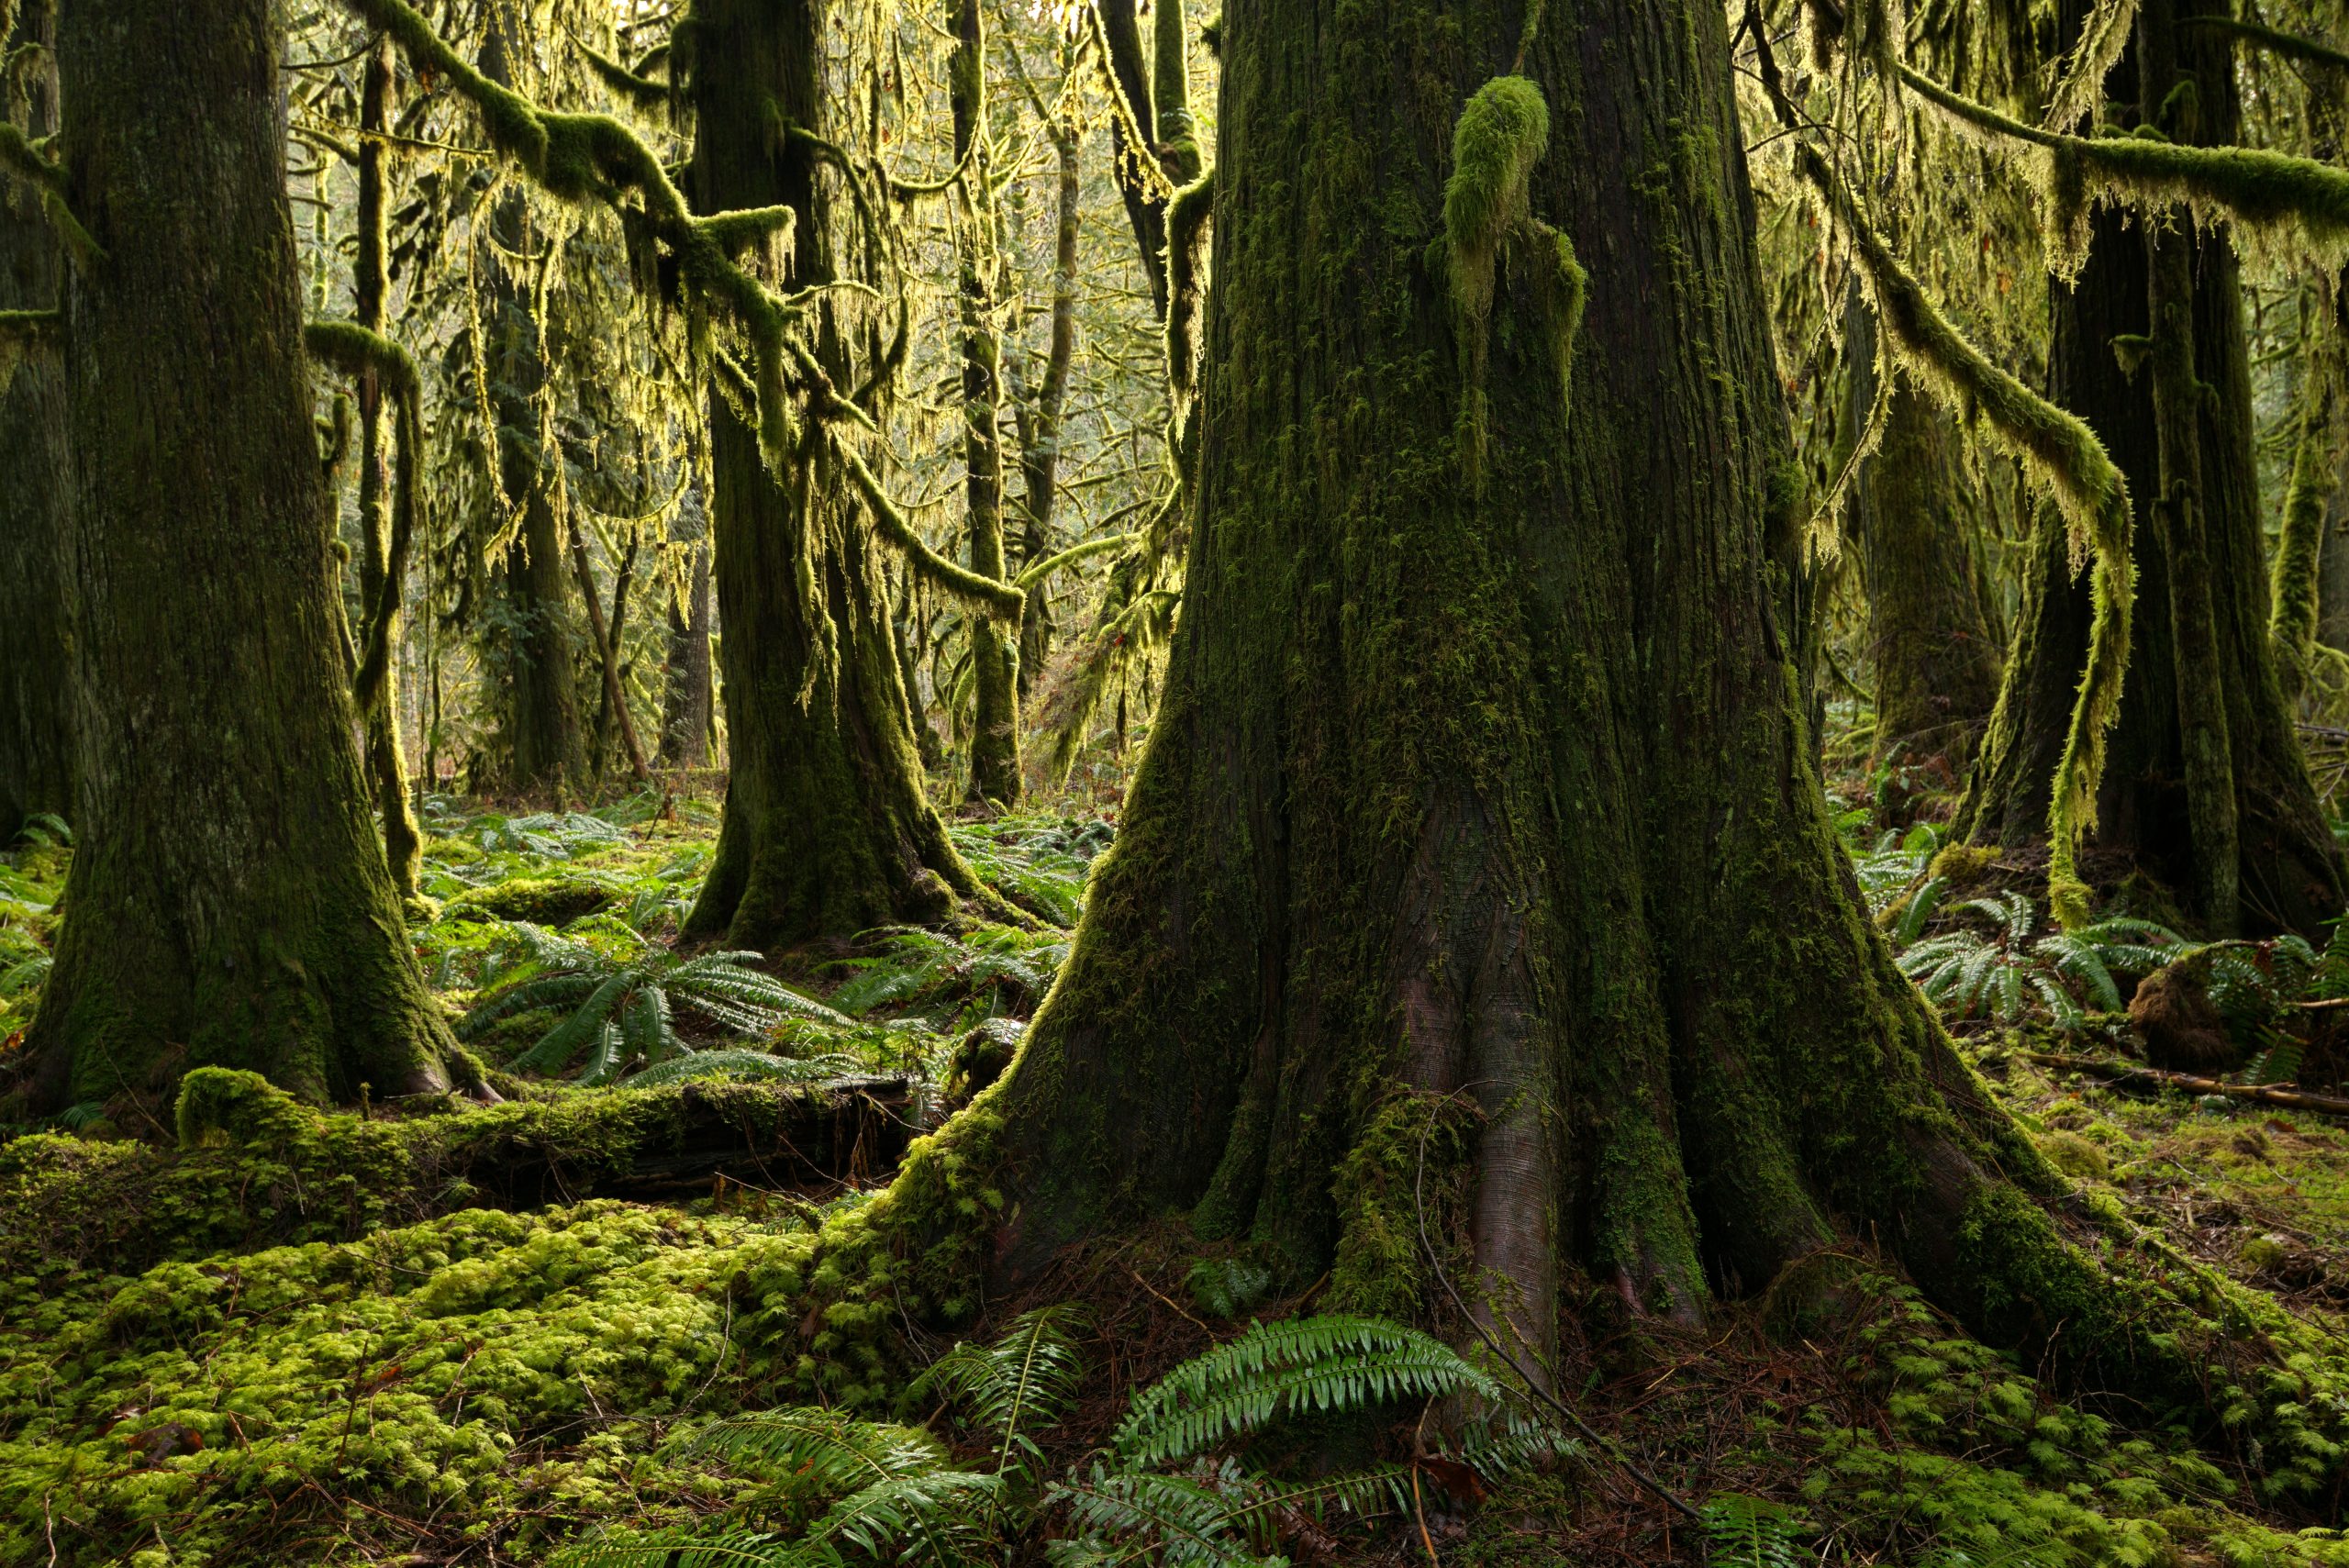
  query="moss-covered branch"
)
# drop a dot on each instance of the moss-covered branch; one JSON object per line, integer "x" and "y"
{"x": 1038, "y": 571}
{"x": 2269, "y": 191}
{"x": 2058, "y": 448}
{"x": 582, "y": 157}
{"x": 1186, "y": 234}
{"x": 644, "y": 92}
{"x": 1004, "y": 601}
{"x": 351, "y": 350}
{"x": 2290, "y": 45}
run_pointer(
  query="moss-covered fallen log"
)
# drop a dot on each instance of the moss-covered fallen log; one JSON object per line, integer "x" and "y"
{"x": 254, "y": 1168}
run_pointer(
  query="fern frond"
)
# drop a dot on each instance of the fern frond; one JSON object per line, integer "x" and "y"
{"x": 565, "y": 990}
{"x": 1325, "y": 1363}
{"x": 1028, "y": 1378}
{"x": 1922, "y": 903}
{"x": 606, "y": 1056}
{"x": 686, "y": 1547}
{"x": 936, "y": 1517}
{"x": 645, "y": 1026}
{"x": 812, "y": 1451}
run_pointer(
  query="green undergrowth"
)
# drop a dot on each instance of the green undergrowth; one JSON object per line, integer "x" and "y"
{"x": 482, "y": 1378}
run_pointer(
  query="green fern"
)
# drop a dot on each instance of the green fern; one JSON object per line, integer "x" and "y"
{"x": 1026, "y": 1379}
{"x": 2004, "y": 972}
{"x": 1748, "y": 1532}
{"x": 620, "y": 1011}
{"x": 1282, "y": 1369}
{"x": 955, "y": 980}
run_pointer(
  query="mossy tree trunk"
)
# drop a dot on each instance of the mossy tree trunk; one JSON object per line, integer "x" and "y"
{"x": 1488, "y": 778}
{"x": 36, "y": 715}
{"x": 1930, "y": 641}
{"x": 230, "y": 895}
{"x": 386, "y": 766}
{"x": 2289, "y": 873}
{"x": 826, "y": 830}
{"x": 546, "y": 734}
{"x": 995, "y": 649}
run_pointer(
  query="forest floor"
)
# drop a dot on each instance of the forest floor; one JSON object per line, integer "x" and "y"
{"x": 431, "y": 1332}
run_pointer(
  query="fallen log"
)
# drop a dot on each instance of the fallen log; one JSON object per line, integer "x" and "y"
{"x": 2131, "y": 1074}
{"x": 256, "y": 1168}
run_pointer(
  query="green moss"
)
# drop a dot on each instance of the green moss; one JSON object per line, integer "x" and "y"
{"x": 544, "y": 901}
{"x": 1415, "y": 1151}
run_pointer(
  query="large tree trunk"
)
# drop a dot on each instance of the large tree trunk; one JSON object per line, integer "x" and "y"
{"x": 229, "y": 895}
{"x": 1929, "y": 644}
{"x": 826, "y": 830}
{"x": 1479, "y": 770}
{"x": 2288, "y": 872}
{"x": 36, "y": 722}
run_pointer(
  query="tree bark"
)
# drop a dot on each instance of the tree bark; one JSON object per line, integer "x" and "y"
{"x": 230, "y": 895}
{"x": 1131, "y": 159}
{"x": 1929, "y": 642}
{"x": 1485, "y": 785}
{"x": 2288, "y": 872}
{"x": 826, "y": 830}
{"x": 36, "y": 713}
{"x": 1040, "y": 420}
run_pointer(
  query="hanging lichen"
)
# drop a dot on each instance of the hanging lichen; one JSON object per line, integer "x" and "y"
{"x": 2058, "y": 448}
{"x": 2272, "y": 198}
{"x": 2079, "y": 85}
{"x": 1501, "y": 135}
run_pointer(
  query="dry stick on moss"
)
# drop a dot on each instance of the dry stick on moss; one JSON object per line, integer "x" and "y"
{"x": 2056, "y": 445}
{"x": 2130, "y": 1074}
{"x": 1533, "y": 1385}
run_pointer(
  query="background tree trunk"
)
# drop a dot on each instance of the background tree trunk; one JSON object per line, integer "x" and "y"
{"x": 36, "y": 715}
{"x": 1935, "y": 658}
{"x": 2290, "y": 874}
{"x": 229, "y": 895}
{"x": 403, "y": 840}
{"x": 826, "y": 829}
{"x": 1497, "y": 788}
{"x": 545, "y": 732}
{"x": 690, "y": 698}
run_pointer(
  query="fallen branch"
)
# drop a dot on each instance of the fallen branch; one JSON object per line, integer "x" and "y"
{"x": 2133, "y": 1074}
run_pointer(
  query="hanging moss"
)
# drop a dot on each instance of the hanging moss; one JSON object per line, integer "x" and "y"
{"x": 2272, "y": 197}
{"x": 2065, "y": 455}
